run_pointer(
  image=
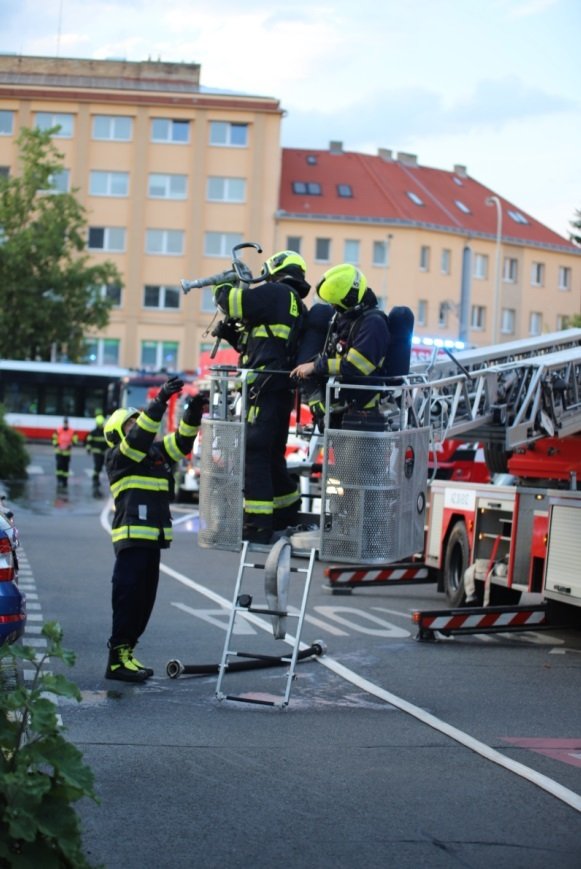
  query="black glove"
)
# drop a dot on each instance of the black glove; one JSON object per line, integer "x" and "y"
{"x": 227, "y": 330}
{"x": 194, "y": 410}
{"x": 317, "y": 409}
{"x": 169, "y": 388}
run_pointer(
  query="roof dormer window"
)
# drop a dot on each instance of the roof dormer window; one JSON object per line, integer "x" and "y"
{"x": 312, "y": 159}
{"x": 462, "y": 207}
{"x": 307, "y": 188}
{"x": 414, "y": 198}
{"x": 344, "y": 190}
{"x": 517, "y": 217}
{"x": 457, "y": 181}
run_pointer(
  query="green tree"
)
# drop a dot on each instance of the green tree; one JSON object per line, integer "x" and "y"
{"x": 576, "y": 224}
{"x": 14, "y": 457}
{"x": 48, "y": 295}
{"x": 573, "y": 322}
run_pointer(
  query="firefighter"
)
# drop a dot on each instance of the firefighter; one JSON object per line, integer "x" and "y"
{"x": 263, "y": 324}
{"x": 63, "y": 440}
{"x": 358, "y": 345}
{"x": 140, "y": 472}
{"x": 96, "y": 446}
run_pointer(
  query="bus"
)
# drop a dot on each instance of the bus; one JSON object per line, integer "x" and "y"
{"x": 36, "y": 396}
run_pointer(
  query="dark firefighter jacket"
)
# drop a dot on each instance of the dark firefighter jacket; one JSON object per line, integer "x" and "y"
{"x": 271, "y": 314}
{"x": 95, "y": 442}
{"x": 141, "y": 478}
{"x": 359, "y": 349}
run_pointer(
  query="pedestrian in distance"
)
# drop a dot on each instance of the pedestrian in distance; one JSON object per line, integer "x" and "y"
{"x": 263, "y": 324}
{"x": 96, "y": 446}
{"x": 141, "y": 475}
{"x": 63, "y": 440}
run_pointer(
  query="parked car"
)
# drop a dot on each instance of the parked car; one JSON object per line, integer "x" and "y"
{"x": 12, "y": 601}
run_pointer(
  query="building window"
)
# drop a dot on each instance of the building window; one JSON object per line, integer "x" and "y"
{"x": 166, "y": 130}
{"x": 414, "y": 198}
{"x": 344, "y": 190}
{"x": 6, "y": 122}
{"x": 478, "y": 317}
{"x": 424, "y": 258}
{"x": 517, "y": 216}
{"x": 221, "y": 243}
{"x": 294, "y": 242}
{"x": 322, "y": 250}
{"x": 156, "y": 355}
{"x": 230, "y": 135}
{"x": 564, "y": 278}
{"x": 380, "y": 254}
{"x": 510, "y": 271}
{"x": 535, "y": 323}
{"x": 109, "y": 183}
{"x": 561, "y": 322}
{"x": 110, "y": 238}
{"x": 422, "y": 314}
{"x": 446, "y": 261}
{"x": 102, "y": 351}
{"x": 109, "y": 291}
{"x": 481, "y": 266}
{"x": 4, "y": 171}
{"x": 307, "y": 188}
{"x": 351, "y": 251}
{"x": 161, "y": 298}
{"x": 443, "y": 309}
{"x": 167, "y": 186}
{"x": 462, "y": 207}
{"x": 112, "y": 128}
{"x": 507, "y": 321}
{"x": 60, "y": 181}
{"x": 208, "y": 305}
{"x": 48, "y": 120}
{"x": 226, "y": 189}
{"x": 166, "y": 242}
{"x": 538, "y": 275}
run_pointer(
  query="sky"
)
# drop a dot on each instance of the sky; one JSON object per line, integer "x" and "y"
{"x": 489, "y": 84}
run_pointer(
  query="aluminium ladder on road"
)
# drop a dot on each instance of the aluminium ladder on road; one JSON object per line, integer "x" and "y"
{"x": 242, "y": 605}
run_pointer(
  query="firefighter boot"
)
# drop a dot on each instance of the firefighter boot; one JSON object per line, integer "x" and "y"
{"x": 147, "y": 670}
{"x": 121, "y": 666}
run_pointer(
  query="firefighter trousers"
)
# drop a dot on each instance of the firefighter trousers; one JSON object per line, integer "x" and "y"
{"x": 135, "y": 581}
{"x": 271, "y": 494}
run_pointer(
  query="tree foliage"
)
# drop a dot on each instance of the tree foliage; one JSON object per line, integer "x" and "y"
{"x": 14, "y": 457}
{"x": 48, "y": 297}
{"x": 576, "y": 224}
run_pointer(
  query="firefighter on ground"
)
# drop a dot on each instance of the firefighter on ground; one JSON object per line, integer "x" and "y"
{"x": 140, "y": 472}
{"x": 362, "y": 342}
{"x": 262, "y": 324}
{"x": 96, "y": 446}
{"x": 63, "y": 440}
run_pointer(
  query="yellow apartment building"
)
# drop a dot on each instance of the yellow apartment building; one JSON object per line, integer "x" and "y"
{"x": 173, "y": 175}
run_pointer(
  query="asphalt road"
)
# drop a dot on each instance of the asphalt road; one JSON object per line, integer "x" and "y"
{"x": 391, "y": 753}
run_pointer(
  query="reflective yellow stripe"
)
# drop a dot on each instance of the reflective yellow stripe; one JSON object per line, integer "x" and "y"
{"x": 359, "y": 361}
{"x": 134, "y": 455}
{"x": 139, "y": 532}
{"x": 147, "y": 423}
{"x": 188, "y": 431}
{"x": 172, "y": 448}
{"x": 334, "y": 365}
{"x": 148, "y": 484}
{"x": 253, "y": 412}
{"x": 261, "y": 508}
{"x": 373, "y": 402}
{"x": 278, "y": 330}
{"x": 282, "y": 501}
{"x": 235, "y": 303}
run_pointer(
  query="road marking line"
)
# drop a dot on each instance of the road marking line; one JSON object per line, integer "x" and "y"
{"x": 542, "y": 781}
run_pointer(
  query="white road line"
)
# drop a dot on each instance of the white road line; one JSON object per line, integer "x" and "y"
{"x": 542, "y": 781}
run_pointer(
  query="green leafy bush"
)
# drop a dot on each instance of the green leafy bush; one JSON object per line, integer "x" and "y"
{"x": 41, "y": 774}
{"x": 14, "y": 457}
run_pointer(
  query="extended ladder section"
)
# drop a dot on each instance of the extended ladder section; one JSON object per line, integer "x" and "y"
{"x": 509, "y": 394}
{"x": 276, "y": 571}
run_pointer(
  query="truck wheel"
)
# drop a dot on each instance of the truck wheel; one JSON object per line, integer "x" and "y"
{"x": 456, "y": 560}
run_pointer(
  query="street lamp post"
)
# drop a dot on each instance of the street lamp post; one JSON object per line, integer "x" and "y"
{"x": 494, "y": 200}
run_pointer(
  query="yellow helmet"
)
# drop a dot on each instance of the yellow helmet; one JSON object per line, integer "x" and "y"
{"x": 113, "y": 430}
{"x": 342, "y": 286}
{"x": 283, "y": 260}
{"x": 99, "y": 419}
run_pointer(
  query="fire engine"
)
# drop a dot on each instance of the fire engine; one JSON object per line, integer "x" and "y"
{"x": 488, "y": 542}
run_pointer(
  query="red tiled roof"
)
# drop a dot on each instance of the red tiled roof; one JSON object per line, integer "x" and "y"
{"x": 380, "y": 191}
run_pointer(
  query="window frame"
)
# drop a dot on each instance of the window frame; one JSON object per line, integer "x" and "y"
{"x": 173, "y": 124}
{"x": 164, "y": 235}
{"x": 165, "y": 180}
{"x": 107, "y": 232}
{"x": 112, "y": 122}
{"x": 110, "y": 176}
{"x": 163, "y": 293}
{"x": 228, "y": 142}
